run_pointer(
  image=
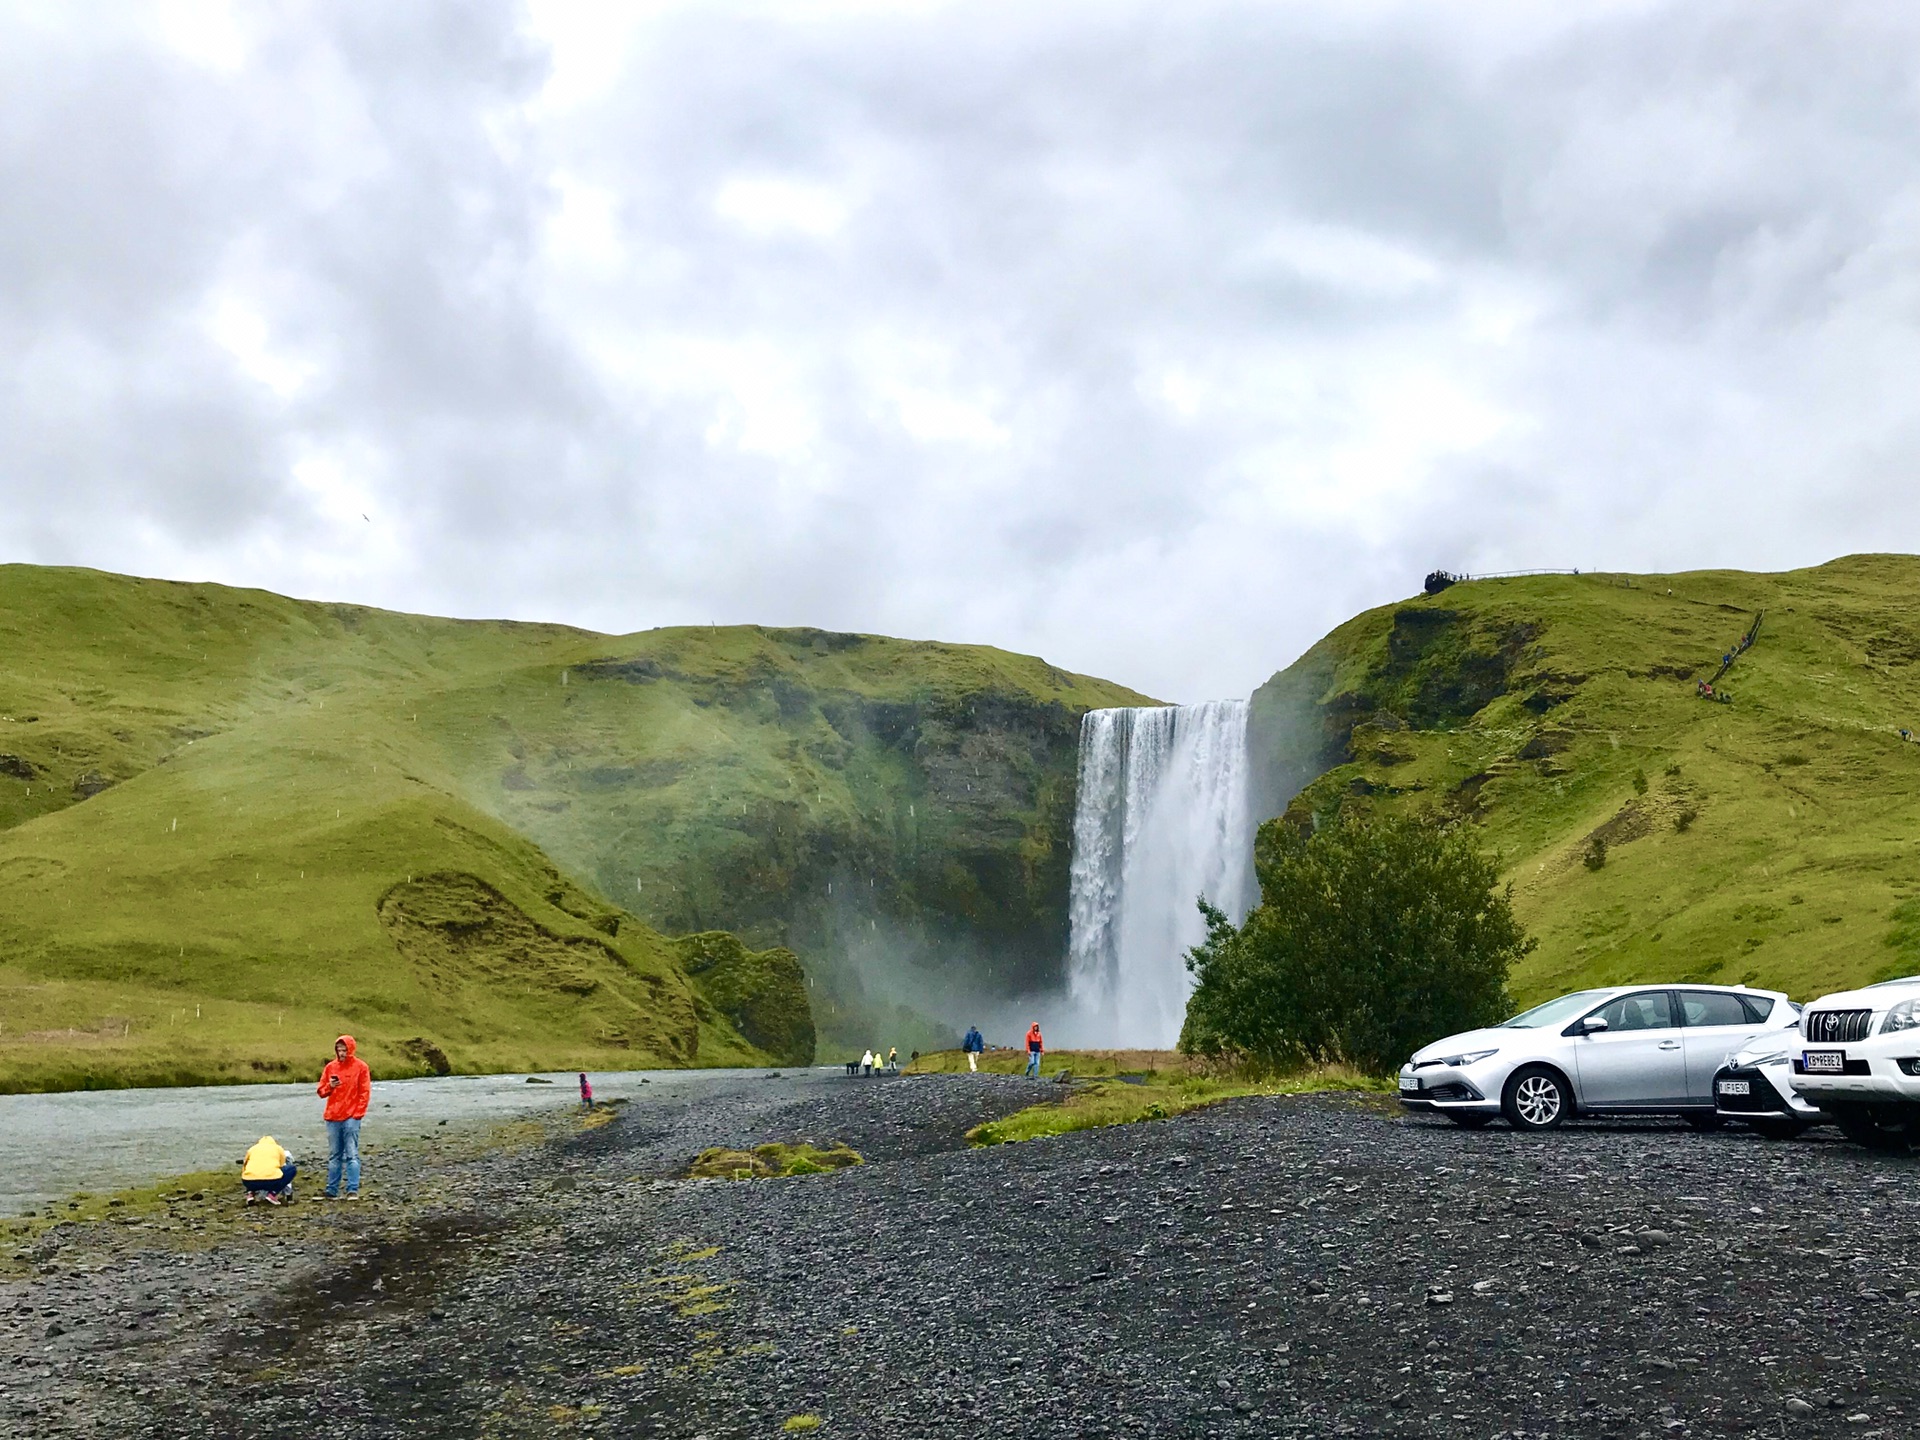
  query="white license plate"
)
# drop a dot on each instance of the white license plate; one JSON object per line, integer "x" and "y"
{"x": 1825, "y": 1062}
{"x": 1409, "y": 1082}
{"x": 1736, "y": 1087}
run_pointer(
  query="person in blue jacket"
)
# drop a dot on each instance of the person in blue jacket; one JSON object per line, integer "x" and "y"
{"x": 975, "y": 1046}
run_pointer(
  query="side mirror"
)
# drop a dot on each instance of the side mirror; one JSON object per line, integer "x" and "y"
{"x": 1592, "y": 1025}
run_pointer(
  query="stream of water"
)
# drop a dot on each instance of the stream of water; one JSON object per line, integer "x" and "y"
{"x": 105, "y": 1140}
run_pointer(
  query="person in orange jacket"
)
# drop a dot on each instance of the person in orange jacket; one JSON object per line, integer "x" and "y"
{"x": 346, "y": 1085}
{"x": 1035, "y": 1045}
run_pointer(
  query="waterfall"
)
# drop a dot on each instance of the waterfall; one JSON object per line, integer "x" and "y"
{"x": 1163, "y": 817}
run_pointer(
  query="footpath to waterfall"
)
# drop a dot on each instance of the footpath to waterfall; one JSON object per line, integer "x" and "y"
{"x": 1164, "y": 817}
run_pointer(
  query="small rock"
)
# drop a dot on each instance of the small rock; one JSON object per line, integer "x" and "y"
{"x": 1628, "y": 1250}
{"x": 1439, "y": 1297}
{"x": 1482, "y": 1287}
{"x": 1655, "y": 1237}
{"x": 1859, "y": 1417}
{"x": 1798, "y": 1408}
{"x": 56, "y": 1328}
{"x": 1314, "y": 1287}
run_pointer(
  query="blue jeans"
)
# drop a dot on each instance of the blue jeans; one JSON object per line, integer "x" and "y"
{"x": 343, "y": 1152}
{"x": 285, "y": 1182}
{"x": 1033, "y": 1062}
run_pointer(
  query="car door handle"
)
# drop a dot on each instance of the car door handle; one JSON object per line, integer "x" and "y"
{"x": 1669, "y": 1044}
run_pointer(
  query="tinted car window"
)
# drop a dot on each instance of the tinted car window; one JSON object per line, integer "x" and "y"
{"x": 1712, "y": 1007}
{"x": 1646, "y": 1011}
{"x": 1757, "y": 1008}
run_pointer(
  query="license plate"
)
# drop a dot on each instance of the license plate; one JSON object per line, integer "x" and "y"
{"x": 1409, "y": 1082}
{"x": 1825, "y": 1062}
{"x": 1736, "y": 1087}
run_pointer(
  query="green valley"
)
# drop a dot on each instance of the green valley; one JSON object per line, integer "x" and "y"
{"x": 232, "y": 824}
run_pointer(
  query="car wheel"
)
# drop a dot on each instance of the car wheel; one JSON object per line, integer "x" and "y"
{"x": 1866, "y": 1127}
{"x": 1702, "y": 1121}
{"x": 1536, "y": 1099}
{"x": 1467, "y": 1120}
{"x": 1779, "y": 1129}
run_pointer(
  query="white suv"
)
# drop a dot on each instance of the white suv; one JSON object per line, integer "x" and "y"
{"x": 1858, "y": 1059}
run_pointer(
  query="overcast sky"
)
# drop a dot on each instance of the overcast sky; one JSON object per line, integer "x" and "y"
{"x": 1155, "y": 339}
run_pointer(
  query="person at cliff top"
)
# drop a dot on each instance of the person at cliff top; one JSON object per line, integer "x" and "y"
{"x": 268, "y": 1172}
{"x": 346, "y": 1085}
{"x": 1034, "y": 1047}
{"x": 973, "y": 1045}
{"x": 586, "y": 1092}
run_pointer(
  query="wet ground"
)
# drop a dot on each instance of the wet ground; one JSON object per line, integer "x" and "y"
{"x": 1307, "y": 1266}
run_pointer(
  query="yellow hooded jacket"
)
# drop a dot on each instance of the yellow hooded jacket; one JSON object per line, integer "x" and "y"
{"x": 265, "y": 1160}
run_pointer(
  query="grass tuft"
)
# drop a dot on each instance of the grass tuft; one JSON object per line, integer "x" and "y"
{"x": 771, "y": 1161}
{"x": 1117, "y": 1102}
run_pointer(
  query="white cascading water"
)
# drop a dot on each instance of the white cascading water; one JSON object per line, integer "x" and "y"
{"x": 1164, "y": 817}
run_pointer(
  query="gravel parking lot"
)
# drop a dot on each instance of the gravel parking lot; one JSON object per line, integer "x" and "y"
{"x": 1292, "y": 1266}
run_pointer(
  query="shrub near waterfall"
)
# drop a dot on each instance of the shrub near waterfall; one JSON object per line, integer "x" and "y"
{"x": 1371, "y": 938}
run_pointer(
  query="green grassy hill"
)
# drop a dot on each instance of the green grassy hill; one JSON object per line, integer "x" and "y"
{"x": 1649, "y": 833}
{"x": 233, "y": 823}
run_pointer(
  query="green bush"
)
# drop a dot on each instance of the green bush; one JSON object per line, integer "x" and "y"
{"x": 1371, "y": 938}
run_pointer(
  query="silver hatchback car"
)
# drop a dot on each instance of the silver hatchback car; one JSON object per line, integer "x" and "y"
{"x": 1623, "y": 1050}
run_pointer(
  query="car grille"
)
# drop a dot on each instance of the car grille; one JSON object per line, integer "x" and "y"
{"x": 1835, "y": 1027}
{"x": 1760, "y": 1095}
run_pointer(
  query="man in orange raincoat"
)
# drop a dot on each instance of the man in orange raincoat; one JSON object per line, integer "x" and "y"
{"x": 346, "y": 1085}
{"x": 1034, "y": 1046}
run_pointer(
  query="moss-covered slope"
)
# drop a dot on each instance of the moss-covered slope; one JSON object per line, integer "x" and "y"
{"x": 299, "y": 817}
{"x": 1649, "y": 833}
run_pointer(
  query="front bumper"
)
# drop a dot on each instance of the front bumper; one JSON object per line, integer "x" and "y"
{"x": 1441, "y": 1088}
{"x": 1881, "y": 1069}
{"x": 1768, "y": 1094}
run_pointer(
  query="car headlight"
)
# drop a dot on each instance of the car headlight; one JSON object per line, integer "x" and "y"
{"x": 1754, "y": 1062}
{"x": 1904, "y": 1016}
{"x": 1472, "y": 1057}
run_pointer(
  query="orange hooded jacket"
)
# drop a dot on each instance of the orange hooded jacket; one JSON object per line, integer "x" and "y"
{"x": 1034, "y": 1042}
{"x": 348, "y": 1099}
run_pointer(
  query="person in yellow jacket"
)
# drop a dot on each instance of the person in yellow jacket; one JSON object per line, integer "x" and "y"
{"x": 268, "y": 1172}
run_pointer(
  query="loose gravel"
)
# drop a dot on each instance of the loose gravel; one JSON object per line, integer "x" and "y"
{"x": 1312, "y": 1266}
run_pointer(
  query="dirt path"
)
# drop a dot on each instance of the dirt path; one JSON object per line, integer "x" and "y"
{"x": 1311, "y": 1266}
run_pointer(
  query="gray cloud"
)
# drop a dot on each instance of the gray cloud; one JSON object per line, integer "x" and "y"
{"x": 1156, "y": 340}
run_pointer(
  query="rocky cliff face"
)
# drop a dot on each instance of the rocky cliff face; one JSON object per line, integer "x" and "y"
{"x": 903, "y": 822}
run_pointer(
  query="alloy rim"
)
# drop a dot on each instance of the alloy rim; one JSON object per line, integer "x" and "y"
{"x": 1538, "y": 1100}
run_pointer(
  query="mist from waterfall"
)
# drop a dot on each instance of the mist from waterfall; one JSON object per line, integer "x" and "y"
{"x": 1164, "y": 816}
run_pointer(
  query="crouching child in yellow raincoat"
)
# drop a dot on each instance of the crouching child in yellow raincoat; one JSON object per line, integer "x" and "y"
{"x": 268, "y": 1172}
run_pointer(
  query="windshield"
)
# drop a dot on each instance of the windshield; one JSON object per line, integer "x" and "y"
{"x": 1554, "y": 1011}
